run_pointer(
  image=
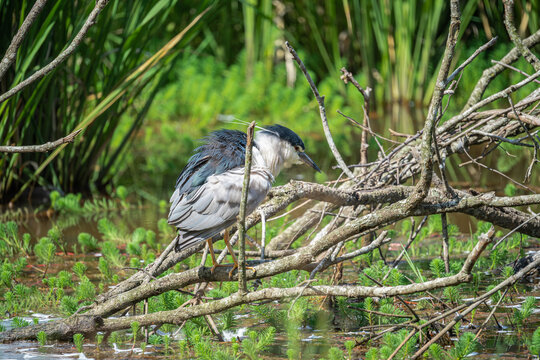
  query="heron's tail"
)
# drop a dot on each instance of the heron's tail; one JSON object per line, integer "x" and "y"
{"x": 183, "y": 243}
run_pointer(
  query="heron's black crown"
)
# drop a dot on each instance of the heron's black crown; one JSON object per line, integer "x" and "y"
{"x": 223, "y": 150}
{"x": 286, "y": 134}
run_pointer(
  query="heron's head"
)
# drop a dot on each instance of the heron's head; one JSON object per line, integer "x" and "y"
{"x": 282, "y": 145}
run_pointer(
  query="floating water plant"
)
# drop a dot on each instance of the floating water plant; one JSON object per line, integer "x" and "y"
{"x": 10, "y": 243}
{"x": 87, "y": 242}
{"x": 110, "y": 231}
{"x": 45, "y": 251}
{"x": 135, "y": 327}
{"x": 255, "y": 343}
{"x": 78, "y": 340}
{"x": 42, "y": 338}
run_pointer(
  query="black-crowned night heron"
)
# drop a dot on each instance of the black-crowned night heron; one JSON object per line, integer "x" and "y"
{"x": 208, "y": 191}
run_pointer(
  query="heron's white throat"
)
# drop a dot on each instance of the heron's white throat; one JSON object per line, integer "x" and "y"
{"x": 273, "y": 153}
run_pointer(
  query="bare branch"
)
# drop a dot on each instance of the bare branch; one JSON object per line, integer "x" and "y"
{"x": 508, "y": 282}
{"x": 77, "y": 40}
{"x": 434, "y": 111}
{"x": 43, "y": 147}
{"x": 11, "y": 52}
{"x": 512, "y": 31}
{"x": 242, "y": 284}
{"x": 489, "y": 74}
{"x": 513, "y": 69}
{"x": 322, "y": 111}
{"x": 477, "y": 52}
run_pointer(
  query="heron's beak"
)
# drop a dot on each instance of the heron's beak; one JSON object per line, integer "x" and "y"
{"x": 305, "y": 158}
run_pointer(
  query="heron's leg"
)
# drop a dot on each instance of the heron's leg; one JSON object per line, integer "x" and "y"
{"x": 231, "y": 251}
{"x": 211, "y": 249}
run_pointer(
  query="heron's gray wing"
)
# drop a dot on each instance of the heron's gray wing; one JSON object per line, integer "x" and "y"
{"x": 212, "y": 207}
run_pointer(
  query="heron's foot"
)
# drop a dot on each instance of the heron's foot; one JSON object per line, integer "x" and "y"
{"x": 235, "y": 266}
{"x": 252, "y": 269}
{"x": 213, "y": 268}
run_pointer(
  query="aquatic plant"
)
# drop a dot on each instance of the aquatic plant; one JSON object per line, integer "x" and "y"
{"x": 121, "y": 193}
{"x": 99, "y": 340}
{"x": 85, "y": 290}
{"x": 104, "y": 268}
{"x": 10, "y": 243}
{"x": 110, "y": 231}
{"x": 135, "y": 327}
{"x": 256, "y": 343}
{"x": 116, "y": 338}
{"x": 79, "y": 269}
{"x": 391, "y": 341}
{"x": 436, "y": 352}
{"x": 112, "y": 254}
{"x": 349, "y": 345}
{"x": 466, "y": 345}
{"x": 68, "y": 204}
{"x": 166, "y": 343}
{"x": 522, "y": 314}
{"x": 69, "y": 305}
{"x": 437, "y": 267}
{"x": 19, "y": 322}
{"x": 335, "y": 353}
{"x": 45, "y": 251}
{"x": 271, "y": 315}
{"x": 11, "y": 270}
{"x": 42, "y": 338}
{"x": 87, "y": 242}
{"x": 453, "y": 294}
{"x": 78, "y": 341}
{"x": 534, "y": 344}
{"x": 165, "y": 230}
{"x": 372, "y": 354}
{"x": 228, "y": 320}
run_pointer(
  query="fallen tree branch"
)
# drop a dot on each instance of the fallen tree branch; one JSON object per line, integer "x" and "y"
{"x": 89, "y": 324}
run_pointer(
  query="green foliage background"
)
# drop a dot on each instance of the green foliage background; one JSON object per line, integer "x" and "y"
{"x": 231, "y": 62}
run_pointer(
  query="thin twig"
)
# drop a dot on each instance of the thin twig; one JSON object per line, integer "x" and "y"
{"x": 43, "y": 147}
{"x": 77, "y": 40}
{"x": 426, "y": 149}
{"x": 513, "y": 231}
{"x": 514, "y": 69}
{"x": 242, "y": 282}
{"x": 346, "y": 77}
{"x": 503, "y": 139}
{"x": 491, "y": 314}
{"x": 322, "y": 111}
{"x": 508, "y": 282}
{"x": 481, "y": 49}
{"x": 445, "y": 243}
{"x": 11, "y": 52}
{"x": 411, "y": 334}
{"x": 512, "y": 31}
